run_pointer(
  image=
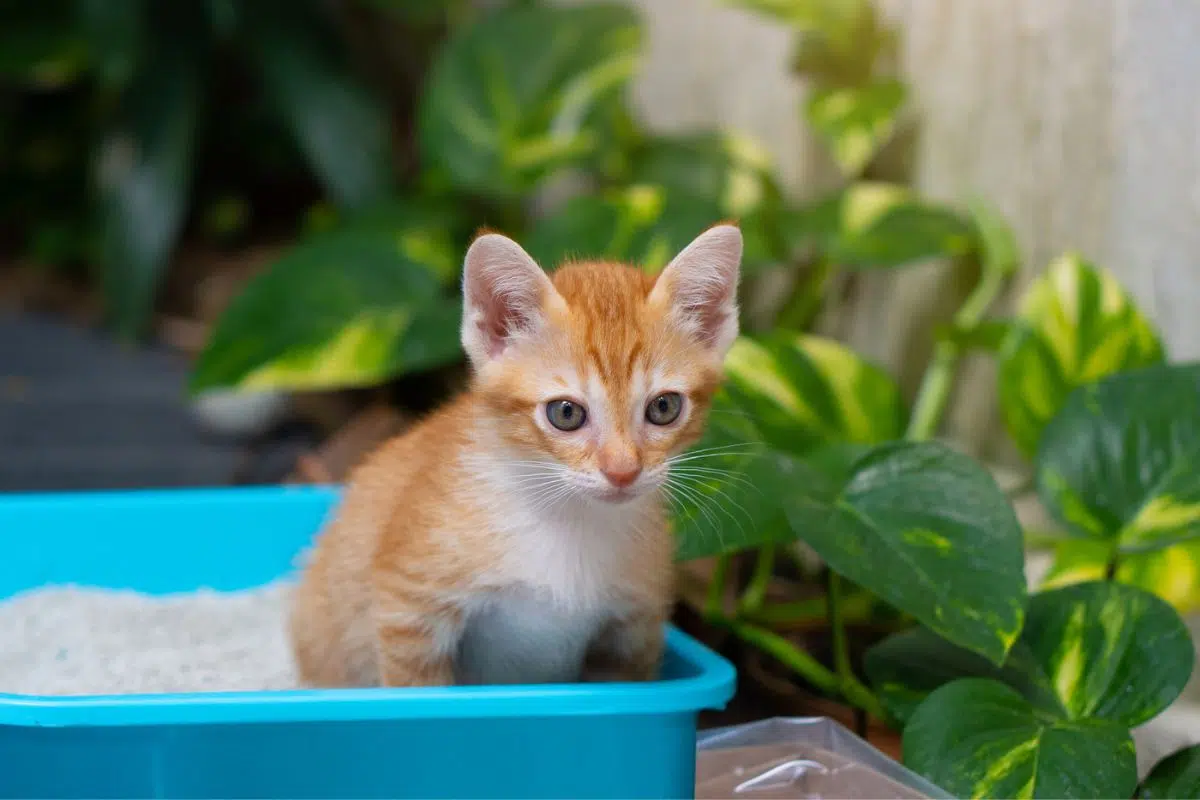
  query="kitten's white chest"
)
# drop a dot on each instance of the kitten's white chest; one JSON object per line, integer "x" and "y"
{"x": 522, "y": 635}
{"x": 558, "y": 583}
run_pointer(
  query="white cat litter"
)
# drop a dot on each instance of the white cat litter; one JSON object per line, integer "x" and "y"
{"x": 71, "y": 641}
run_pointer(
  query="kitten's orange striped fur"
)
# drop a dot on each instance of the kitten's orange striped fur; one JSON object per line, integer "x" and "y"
{"x": 499, "y": 540}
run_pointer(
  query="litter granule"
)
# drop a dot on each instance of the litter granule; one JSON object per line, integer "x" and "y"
{"x": 70, "y": 641}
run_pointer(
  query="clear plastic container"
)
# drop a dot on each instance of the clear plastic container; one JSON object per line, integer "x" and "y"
{"x": 800, "y": 758}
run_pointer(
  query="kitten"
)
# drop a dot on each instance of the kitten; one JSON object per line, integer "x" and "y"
{"x": 518, "y": 534}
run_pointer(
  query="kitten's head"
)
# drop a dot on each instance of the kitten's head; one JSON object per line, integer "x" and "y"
{"x": 598, "y": 374}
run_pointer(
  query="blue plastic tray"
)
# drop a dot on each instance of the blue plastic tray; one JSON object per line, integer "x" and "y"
{"x": 573, "y": 740}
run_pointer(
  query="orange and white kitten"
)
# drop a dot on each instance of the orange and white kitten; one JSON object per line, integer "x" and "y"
{"x": 518, "y": 534}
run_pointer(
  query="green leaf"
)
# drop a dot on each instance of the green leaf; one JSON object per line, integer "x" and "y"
{"x": 1076, "y": 325}
{"x": 995, "y": 240}
{"x": 344, "y": 309}
{"x": 981, "y": 739}
{"x": 856, "y": 122}
{"x": 1109, "y": 651}
{"x": 907, "y": 667}
{"x": 870, "y": 225}
{"x": 1121, "y": 461}
{"x": 114, "y": 30}
{"x": 513, "y": 97}
{"x": 803, "y": 391}
{"x": 427, "y": 233}
{"x": 928, "y": 530}
{"x": 643, "y": 225}
{"x": 1094, "y": 649}
{"x": 341, "y": 127}
{"x": 1176, "y": 776}
{"x": 1172, "y": 573}
{"x": 143, "y": 172}
{"x": 801, "y": 14}
{"x": 722, "y": 175}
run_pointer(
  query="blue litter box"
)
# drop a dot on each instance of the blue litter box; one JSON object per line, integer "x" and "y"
{"x": 562, "y": 741}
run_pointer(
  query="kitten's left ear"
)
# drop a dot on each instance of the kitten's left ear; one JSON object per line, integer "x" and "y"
{"x": 505, "y": 297}
{"x": 700, "y": 285}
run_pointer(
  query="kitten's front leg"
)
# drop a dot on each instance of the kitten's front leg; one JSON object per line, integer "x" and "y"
{"x": 628, "y": 649}
{"x": 415, "y": 643}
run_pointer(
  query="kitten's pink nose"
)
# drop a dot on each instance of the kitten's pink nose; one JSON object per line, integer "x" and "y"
{"x": 621, "y": 470}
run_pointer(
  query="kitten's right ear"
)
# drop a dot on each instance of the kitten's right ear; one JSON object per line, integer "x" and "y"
{"x": 505, "y": 296}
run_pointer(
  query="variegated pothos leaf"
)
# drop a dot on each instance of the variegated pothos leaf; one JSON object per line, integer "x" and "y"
{"x": 1076, "y": 324}
{"x": 805, "y": 391}
{"x": 1055, "y": 721}
{"x": 1121, "y": 461}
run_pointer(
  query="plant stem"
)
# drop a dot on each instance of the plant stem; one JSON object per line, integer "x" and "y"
{"x": 714, "y": 604}
{"x": 786, "y": 653}
{"x": 856, "y": 608}
{"x": 756, "y": 591}
{"x": 837, "y": 625}
{"x": 1110, "y": 568}
{"x": 802, "y": 306}
{"x": 939, "y": 376}
{"x": 848, "y": 683}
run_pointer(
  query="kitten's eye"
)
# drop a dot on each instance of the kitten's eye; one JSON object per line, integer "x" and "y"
{"x": 565, "y": 415}
{"x": 664, "y": 409}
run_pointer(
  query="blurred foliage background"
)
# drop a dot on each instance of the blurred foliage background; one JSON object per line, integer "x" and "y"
{"x": 373, "y": 137}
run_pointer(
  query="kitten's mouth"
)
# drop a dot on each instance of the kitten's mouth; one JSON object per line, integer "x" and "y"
{"x": 617, "y": 495}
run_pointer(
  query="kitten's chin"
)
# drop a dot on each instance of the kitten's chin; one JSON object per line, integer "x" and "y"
{"x": 614, "y": 496}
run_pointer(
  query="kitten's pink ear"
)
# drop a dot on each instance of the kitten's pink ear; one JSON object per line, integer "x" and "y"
{"x": 700, "y": 284}
{"x": 505, "y": 294}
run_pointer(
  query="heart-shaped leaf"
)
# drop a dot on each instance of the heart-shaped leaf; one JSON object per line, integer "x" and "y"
{"x": 513, "y": 96}
{"x": 341, "y": 127}
{"x": 144, "y": 168}
{"x": 856, "y": 121}
{"x": 803, "y": 391}
{"x": 642, "y": 224}
{"x": 1109, "y": 651}
{"x": 1121, "y": 462}
{"x": 907, "y": 667}
{"x": 1177, "y": 775}
{"x": 1172, "y": 573}
{"x": 872, "y": 225}
{"x": 981, "y": 739}
{"x": 935, "y": 522}
{"x": 1095, "y": 649}
{"x": 343, "y": 309}
{"x": 1076, "y": 325}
